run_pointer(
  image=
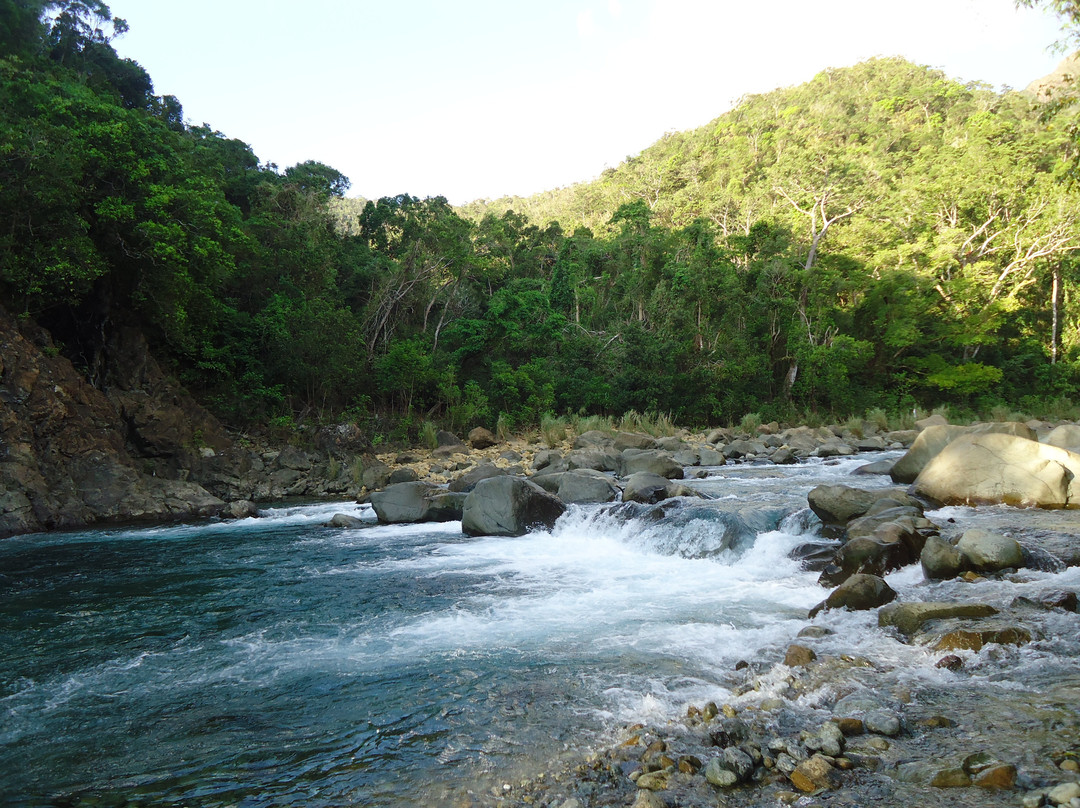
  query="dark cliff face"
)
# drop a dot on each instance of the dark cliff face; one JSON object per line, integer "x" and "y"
{"x": 71, "y": 454}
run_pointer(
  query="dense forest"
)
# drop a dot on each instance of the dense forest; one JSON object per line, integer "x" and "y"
{"x": 881, "y": 236}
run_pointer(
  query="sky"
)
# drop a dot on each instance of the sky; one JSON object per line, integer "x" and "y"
{"x": 472, "y": 99}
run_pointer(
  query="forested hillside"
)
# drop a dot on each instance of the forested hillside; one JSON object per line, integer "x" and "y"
{"x": 880, "y": 236}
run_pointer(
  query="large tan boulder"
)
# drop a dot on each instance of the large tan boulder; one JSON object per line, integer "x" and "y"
{"x": 1066, "y": 436}
{"x": 997, "y": 468}
{"x": 934, "y": 438}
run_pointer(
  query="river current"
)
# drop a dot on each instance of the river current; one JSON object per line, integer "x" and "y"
{"x": 276, "y": 661}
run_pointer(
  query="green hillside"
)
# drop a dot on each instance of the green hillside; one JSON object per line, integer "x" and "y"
{"x": 880, "y": 236}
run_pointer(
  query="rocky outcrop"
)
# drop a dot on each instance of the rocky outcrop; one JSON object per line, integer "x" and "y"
{"x": 71, "y": 455}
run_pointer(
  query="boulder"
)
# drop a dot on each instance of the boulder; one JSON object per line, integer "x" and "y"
{"x": 1001, "y": 468}
{"x": 940, "y": 560}
{"x": 932, "y": 440}
{"x": 833, "y": 448}
{"x": 653, "y": 461}
{"x": 711, "y": 457}
{"x": 865, "y": 555}
{"x": 480, "y": 438}
{"x": 444, "y": 451}
{"x": 877, "y": 467}
{"x": 342, "y": 440}
{"x": 857, "y": 593}
{"x": 989, "y": 552}
{"x": 839, "y": 504}
{"x": 598, "y": 458}
{"x": 344, "y": 520}
{"x": 586, "y": 485}
{"x": 633, "y": 440}
{"x": 742, "y": 448}
{"x": 402, "y": 475}
{"x": 549, "y": 460}
{"x": 411, "y": 502}
{"x": 444, "y": 438}
{"x": 645, "y": 487}
{"x": 931, "y": 420}
{"x": 240, "y": 509}
{"x": 467, "y": 482}
{"x": 908, "y": 618}
{"x": 509, "y": 506}
{"x": 594, "y": 437}
{"x": 1066, "y": 436}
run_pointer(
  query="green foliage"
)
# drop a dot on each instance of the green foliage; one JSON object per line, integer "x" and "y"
{"x": 826, "y": 249}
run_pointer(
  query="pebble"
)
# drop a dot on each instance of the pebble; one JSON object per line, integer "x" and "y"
{"x": 653, "y": 781}
{"x": 1064, "y": 793}
{"x": 815, "y": 773}
{"x": 798, "y": 656}
{"x": 1070, "y": 765}
{"x": 1001, "y": 776}
{"x": 719, "y": 776}
{"x": 950, "y": 662}
{"x": 649, "y": 799}
{"x": 882, "y": 722}
{"x": 951, "y": 778}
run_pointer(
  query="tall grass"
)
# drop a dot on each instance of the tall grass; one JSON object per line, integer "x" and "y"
{"x": 553, "y": 430}
{"x": 429, "y": 437}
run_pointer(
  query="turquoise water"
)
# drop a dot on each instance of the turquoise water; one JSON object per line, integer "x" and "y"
{"x": 275, "y": 661}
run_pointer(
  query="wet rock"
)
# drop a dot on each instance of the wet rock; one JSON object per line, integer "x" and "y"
{"x": 799, "y": 655}
{"x": 882, "y": 722}
{"x": 719, "y": 775}
{"x": 739, "y": 762}
{"x": 480, "y": 438}
{"x": 875, "y": 468}
{"x": 815, "y": 632}
{"x": 647, "y": 799}
{"x": 950, "y": 662}
{"x": 508, "y": 506}
{"x": 951, "y": 778}
{"x": 240, "y": 509}
{"x": 990, "y": 552}
{"x": 940, "y": 560}
{"x": 976, "y": 639}
{"x": 999, "y": 776}
{"x": 864, "y": 555}
{"x": 908, "y": 618}
{"x": 344, "y": 520}
{"x": 815, "y": 773}
{"x": 859, "y": 592}
{"x": 783, "y": 457}
{"x": 653, "y": 781}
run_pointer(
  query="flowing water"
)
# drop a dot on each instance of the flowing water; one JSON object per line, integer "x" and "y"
{"x": 275, "y": 661}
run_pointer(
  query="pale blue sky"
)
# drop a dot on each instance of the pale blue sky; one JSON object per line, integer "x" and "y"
{"x": 482, "y": 98}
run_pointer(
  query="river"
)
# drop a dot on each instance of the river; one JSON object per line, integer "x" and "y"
{"x": 276, "y": 661}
